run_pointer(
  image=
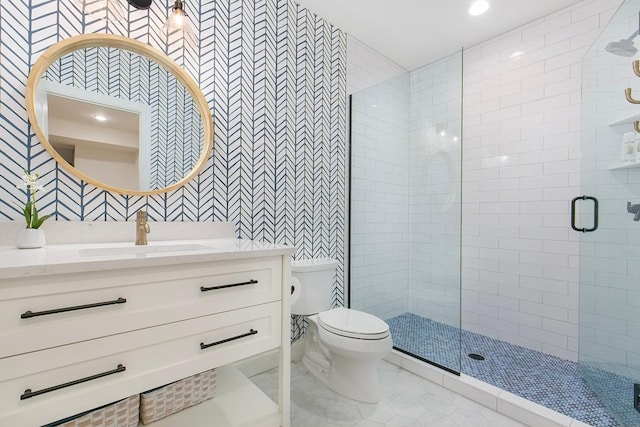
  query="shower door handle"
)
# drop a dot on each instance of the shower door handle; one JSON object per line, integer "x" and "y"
{"x": 595, "y": 214}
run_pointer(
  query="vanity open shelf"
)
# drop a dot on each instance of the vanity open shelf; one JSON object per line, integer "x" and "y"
{"x": 208, "y": 304}
{"x": 238, "y": 403}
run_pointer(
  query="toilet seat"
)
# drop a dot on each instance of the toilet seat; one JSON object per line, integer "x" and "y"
{"x": 353, "y": 324}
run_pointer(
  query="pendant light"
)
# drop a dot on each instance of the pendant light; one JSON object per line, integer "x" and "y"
{"x": 109, "y": 10}
{"x": 178, "y": 22}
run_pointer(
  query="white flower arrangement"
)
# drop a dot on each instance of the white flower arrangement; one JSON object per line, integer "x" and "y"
{"x": 31, "y": 183}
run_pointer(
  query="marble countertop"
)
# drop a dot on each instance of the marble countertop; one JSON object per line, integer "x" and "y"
{"x": 73, "y": 258}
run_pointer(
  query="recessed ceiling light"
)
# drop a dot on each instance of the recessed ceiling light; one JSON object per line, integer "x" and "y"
{"x": 100, "y": 117}
{"x": 479, "y": 7}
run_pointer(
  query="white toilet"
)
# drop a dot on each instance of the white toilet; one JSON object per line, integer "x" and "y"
{"x": 342, "y": 347}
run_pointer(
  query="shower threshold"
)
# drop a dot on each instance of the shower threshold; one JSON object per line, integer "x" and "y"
{"x": 501, "y": 401}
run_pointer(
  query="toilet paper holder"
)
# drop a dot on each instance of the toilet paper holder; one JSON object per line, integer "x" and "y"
{"x": 295, "y": 290}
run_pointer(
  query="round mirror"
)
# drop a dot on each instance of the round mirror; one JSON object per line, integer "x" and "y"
{"x": 119, "y": 115}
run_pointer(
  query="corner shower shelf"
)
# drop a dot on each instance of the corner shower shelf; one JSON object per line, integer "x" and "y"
{"x": 626, "y": 121}
{"x": 624, "y": 166}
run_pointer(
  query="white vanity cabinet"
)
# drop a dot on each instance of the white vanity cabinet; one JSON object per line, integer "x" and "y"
{"x": 81, "y": 331}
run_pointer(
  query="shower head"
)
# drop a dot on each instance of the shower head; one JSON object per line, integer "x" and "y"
{"x": 623, "y": 47}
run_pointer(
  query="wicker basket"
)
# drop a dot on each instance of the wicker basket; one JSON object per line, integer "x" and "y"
{"x": 123, "y": 413}
{"x": 166, "y": 400}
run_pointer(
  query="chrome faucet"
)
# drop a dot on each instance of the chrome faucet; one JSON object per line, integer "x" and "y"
{"x": 142, "y": 228}
{"x": 634, "y": 209}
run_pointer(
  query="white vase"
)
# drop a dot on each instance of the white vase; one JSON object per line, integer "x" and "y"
{"x": 30, "y": 238}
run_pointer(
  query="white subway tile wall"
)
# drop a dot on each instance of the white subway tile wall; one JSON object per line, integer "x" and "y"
{"x": 379, "y": 253}
{"x": 380, "y": 198}
{"x": 367, "y": 67}
{"x": 434, "y": 203}
{"x": 610, "y": 257}
{"x": 521, "y": 167}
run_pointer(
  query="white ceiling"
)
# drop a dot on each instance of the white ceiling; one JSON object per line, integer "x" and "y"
{"x": 77, "y": 111}
{"x": 415, "y": 32}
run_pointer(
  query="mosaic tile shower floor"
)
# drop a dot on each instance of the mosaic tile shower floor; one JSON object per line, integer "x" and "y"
{"x": 547, "y": 380}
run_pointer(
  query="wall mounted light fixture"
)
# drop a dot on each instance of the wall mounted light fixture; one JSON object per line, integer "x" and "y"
{"x": 178, "y": 17}
{"x": 140, "y": 4}
{"x": 178, "y": 22}
{"x": 113, "y": 10}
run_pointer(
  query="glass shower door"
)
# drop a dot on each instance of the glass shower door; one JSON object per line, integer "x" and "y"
{"x": 609, "y": 281}
{"x": 405, "y": 235}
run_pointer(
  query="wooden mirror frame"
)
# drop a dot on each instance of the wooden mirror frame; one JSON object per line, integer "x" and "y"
{"x": 69, "y": 45}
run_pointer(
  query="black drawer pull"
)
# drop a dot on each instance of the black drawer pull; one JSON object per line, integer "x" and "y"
{"x": 29, "y": 394}
{"x": 28, "y": 314}
{"x": 233, "y": 285}
{"x": 251, "y": 332}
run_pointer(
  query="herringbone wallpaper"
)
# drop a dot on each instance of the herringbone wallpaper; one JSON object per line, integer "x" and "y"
{"x": 275, "y": 78}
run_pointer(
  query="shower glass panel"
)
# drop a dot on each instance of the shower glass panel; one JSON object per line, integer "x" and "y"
{"x": 609, "y": 284}
{"x": 406, "y": 208}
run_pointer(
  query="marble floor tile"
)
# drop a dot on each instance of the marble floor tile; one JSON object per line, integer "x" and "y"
{"x": 407, "y": 401}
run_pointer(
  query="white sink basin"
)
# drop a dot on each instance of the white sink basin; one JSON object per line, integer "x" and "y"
{"x": 147, "y": 249}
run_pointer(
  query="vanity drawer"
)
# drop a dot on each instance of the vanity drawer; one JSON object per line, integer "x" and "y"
{"x": 131, "y": 363}
{"x": 63, "y": 309}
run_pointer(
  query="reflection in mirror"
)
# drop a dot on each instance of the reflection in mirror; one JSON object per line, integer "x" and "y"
{"x": 97, "y": 134}
{"x": 152, "y": 135}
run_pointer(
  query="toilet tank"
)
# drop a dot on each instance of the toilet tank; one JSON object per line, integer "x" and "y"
{"x": 313, "y": 280}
